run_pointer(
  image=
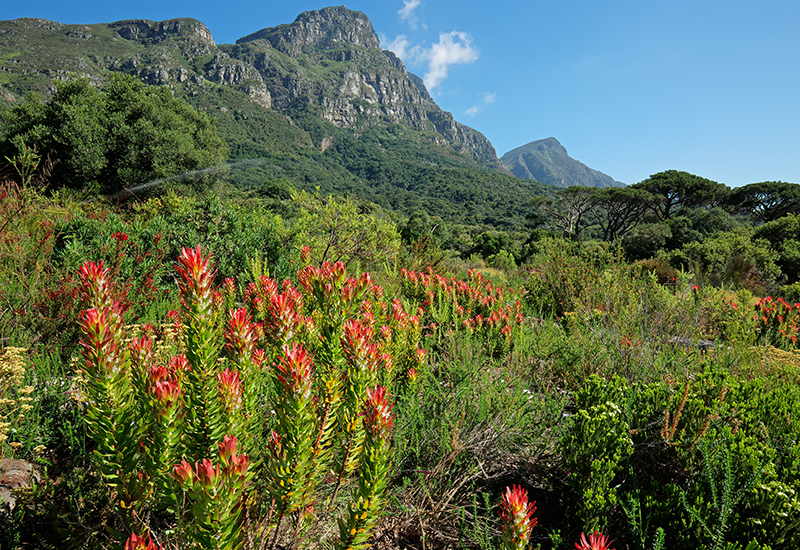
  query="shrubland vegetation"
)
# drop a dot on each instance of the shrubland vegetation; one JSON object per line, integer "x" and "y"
{"x": 210, "y": 368}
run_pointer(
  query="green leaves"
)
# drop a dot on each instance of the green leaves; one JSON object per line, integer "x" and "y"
{"x": 120, "y": 137}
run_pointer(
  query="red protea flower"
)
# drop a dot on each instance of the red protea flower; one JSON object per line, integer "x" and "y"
{"x": 135, "y": 542}
{"x": 378, "y": 417}
{"x": 234, "y": 465}
{"x": 183, "y": 473}
{"x": 516, "y": 514}
{"x": 240, "y": 336}
{"x": 227, "y": 448}
{"x": 167, "y": 391}
{"x": 96, "y": 284}
{"x": 597, "y": 541}
{"x": 230, "y": 389}
{"x": 294, "y": 371}
{"x": 142, "y": 349}
{"x": 196, "y": 278}
{"x": 357, "y": 343}
{"x": 206, "y": 473}
{"x": 100, "y": 350}
{"x": 305, "y": 254}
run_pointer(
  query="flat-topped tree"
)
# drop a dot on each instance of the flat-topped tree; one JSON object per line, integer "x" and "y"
{"x": 674, "y": 190}
{"x": 766, "y": 201}
{"x": 618, "y": 209}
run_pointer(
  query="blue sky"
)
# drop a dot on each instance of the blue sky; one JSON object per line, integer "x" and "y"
{"x": 630, "y": 88}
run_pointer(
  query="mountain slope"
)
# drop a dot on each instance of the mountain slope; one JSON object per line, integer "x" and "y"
{"x": 547, "y": 161}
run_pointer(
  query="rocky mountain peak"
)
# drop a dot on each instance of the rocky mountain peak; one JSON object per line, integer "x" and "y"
{"x": 550, "y": 144}
{"x": 327, "y": 63}
{"x": 328, "y": 28}
{"x": 547, "y": 161}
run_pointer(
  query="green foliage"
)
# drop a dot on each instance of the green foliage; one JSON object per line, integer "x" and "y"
{"x": 645, "y": 240}
{"x": 783, "y": 236}
{"x": 558, "y": 272}
{"x": 726, "y": 487}
{"x": 120, "y": 137}
{"x": 732, "y": 259}
{"x": 597, "y": 441}
{"x": 674, "y": 191}
{"x": 766, "y": 201}
{"x": 342, "y": 230}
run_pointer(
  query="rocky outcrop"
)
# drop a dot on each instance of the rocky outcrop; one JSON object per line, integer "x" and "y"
{"x": 15, "y": 475}
{"x": 143, "y": 30}
{"x": 325, "y": 29}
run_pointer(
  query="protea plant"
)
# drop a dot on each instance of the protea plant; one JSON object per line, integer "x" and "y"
{"x": 516, "y": 514}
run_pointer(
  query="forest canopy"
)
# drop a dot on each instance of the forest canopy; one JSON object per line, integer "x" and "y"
{"x": 114, "y": 138}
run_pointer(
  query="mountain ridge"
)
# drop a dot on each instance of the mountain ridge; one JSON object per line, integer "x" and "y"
{"x": 547, "y": 161}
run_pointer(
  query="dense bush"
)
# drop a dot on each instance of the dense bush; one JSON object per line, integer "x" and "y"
{"x": 120, "y": 137}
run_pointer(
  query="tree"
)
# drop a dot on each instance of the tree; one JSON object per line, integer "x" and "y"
{"x": 620, "y": 209}
{"x": 567, "y": 208}
{"x": 339, "y": 229}
{"x": 673, "y": 190}
{"x": 114, "y": 139}
{"x": 766, "y": 201}
{"x": 784, "y": 237}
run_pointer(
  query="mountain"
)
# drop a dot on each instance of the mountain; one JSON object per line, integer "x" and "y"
{"x": 547, "y": 161}
{"x": 314, "y": 103}
{"x": 327, "y": 61}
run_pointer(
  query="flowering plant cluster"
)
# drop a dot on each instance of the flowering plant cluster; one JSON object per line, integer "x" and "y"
{"x": 777, "y": 321}
{"x": 183, "y": 409}
{"x": 326, "y": 354}
{"x": 15, "y": 399}
{"x": 449, "y": 305}
{"x": 331, "y": 338}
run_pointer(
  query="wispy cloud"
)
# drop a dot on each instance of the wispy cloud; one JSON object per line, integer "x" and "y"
{"x": 402, "y": 47}
{"x": 486, "y": 99}
{"x": 451, "y": 49}
{"x": 407, "y": 12}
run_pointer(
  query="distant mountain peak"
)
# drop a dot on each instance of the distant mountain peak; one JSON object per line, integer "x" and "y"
{"x": 547, "y": 161}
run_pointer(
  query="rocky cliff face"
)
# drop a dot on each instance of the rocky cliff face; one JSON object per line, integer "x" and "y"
{"x": 547, "y": 161}
{"x": 332, "y": 59}
{"x": 329, "y": 61}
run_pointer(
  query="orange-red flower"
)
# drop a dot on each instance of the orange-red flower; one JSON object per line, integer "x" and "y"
{"x": 516, "y": 514}
{"x": 378, "y": 417}
{"x": 597, "y": 541}
{"x": 135, "y": 542}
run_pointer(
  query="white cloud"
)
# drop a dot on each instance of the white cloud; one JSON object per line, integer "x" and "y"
{"x": 407, "y": 13}
{"x": 453, "y": 48}
{"x": 486, "y": 99}
{"x": 402, "y": 48}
